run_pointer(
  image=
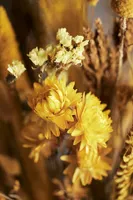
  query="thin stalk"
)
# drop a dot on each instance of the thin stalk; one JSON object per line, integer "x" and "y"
{"x": 121, "y": 49}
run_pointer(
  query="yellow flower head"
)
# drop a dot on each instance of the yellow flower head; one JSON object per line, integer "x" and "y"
{"x": 89, "y": 166}
{"x": 124, "y": 8}
{"x": 54, "y": 101}
{"x": 93, "y": 125}
{"x": 93, "y": 2}
{"x": 40, "y": 136}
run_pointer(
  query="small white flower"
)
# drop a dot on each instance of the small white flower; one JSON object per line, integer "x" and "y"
{"x": 38, "y": 56}
{"x": 78, "y": 52}
{"x": 78, "y": 39}
{"x": 59, "y": 56}
{"x": 16, "y": 69}
{"x": 64, "y": 37}
{"x": 77, "y": 55}
{"x": 84, "y": 43}
{"x": 65, "y": 52}
{"x": 63, "y": 56}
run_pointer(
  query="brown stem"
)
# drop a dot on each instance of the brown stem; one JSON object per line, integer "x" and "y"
{"x": 121, "y": 49}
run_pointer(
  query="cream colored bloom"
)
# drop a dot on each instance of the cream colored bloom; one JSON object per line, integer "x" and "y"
{"x": 68, "y": 51}
{"x": 64, "y": 37}
{"x": 55, "y": 102}
{"x": 74, "y": 55}
{"x": 40, "y": 56}
{"x": 77, "y": 55}
{"x": 63, "y": 56}
{"x": 78, "y": 39}
{"x": 16, "y": 69}
{"x": 93, "y": 125}
{"x": 37, "y": 56}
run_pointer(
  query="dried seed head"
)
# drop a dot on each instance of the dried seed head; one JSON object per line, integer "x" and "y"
{"x": 124, "y": 8}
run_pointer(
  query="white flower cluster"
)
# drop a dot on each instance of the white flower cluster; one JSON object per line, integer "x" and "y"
{"x": 16, "y": 68}
{"x": 68, "y": 51}
{"x": 40, "y": 56}
{"x": 73, "y": 54}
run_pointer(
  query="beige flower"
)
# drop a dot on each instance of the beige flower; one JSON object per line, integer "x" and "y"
{"x": 64, "y": 37}
{"x": 16, "y": 69}
{"x": 37, "y": 56}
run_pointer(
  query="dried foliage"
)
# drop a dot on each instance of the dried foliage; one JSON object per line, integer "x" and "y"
{"x": 124, "y": 173}
{"x": 101, "y": 63}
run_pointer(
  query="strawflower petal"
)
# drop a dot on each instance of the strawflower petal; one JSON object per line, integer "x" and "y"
{"x": 93, "y": 126}
{"x": 54, "y": 101}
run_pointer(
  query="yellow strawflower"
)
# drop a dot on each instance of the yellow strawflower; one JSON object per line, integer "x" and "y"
{"x": 93, "y": 125}
{"x": 89, "y": 166}
{"x": 40, "y": 136}
{"x": 44, "y": 147}
{"x": 54, "y": 101}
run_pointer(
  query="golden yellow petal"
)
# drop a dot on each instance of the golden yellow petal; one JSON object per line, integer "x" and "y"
{"x": 76, "y": 175}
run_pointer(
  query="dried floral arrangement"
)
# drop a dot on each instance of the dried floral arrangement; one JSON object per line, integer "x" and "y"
{"x": 66, "y": 110}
